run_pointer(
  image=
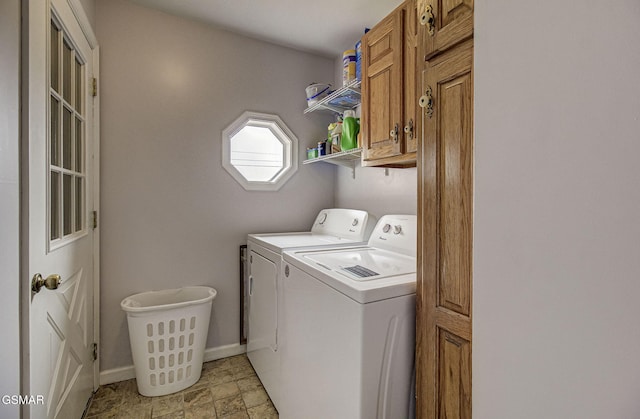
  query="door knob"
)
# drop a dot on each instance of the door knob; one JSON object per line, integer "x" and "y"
{"x": 429, "y": 20}
{"x": 50, "y": 283}
{"x": 426, "y": 101}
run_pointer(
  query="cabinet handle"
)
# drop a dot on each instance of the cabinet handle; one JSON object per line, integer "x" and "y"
{"x": 394, "y": 133}
{"x": 429, "y": 20}
{"x": 426, "y": 101}
{"x": 408, "y": 129}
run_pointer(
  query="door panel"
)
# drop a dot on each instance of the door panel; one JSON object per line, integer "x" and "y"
{"x": 455, "y": 187}
{"x": 382, "y": 88}
{"x": 445, "y": 196}
{"x": 59, "y": 182}
{"x": 452, "y": 22}
{"x": 454, "y": 382}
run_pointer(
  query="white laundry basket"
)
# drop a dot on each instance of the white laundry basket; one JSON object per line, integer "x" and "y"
{"x": 168, "y": 332}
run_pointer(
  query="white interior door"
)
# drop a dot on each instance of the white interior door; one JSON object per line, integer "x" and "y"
{"x": 61, "y": 179}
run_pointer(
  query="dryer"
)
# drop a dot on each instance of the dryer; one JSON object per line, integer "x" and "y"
{"x": 332, "y": 228}
{"x": 348, "y": 338}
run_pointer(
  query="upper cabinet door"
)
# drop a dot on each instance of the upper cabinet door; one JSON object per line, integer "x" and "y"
{"x": 382, "y": 71}
{"x": 411, "y": 128}
{"x": 444, "y": 23}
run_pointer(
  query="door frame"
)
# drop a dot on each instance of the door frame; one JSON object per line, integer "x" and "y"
{"x": 32, "y": 11}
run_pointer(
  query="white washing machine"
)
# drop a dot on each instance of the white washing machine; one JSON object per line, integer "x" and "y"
{"x": 333, "y": 228}
{"x": 348, "y": 338}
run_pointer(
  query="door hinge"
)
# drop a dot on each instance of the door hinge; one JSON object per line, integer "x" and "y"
{"x": 95, "y": 351}
{"x": 94, "y": 87}
{"x": 94, "y": 215}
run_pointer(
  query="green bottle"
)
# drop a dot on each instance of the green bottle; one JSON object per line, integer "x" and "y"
{"x": 350, "y": 129}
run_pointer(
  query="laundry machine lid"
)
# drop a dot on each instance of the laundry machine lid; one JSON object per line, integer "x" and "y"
{"x": 364, "y": 264}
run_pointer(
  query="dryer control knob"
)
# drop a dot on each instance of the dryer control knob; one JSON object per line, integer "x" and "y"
{"x": 355, "y": 222}
{"x": 397, "y": 229}
{"x": 386, "y": 228}
{"x": 322, "y": 218}
{"x": 286, "y": 271}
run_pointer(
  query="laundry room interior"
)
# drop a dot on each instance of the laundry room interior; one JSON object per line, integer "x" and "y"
{"x": 487, "y": 241}
{"x": 170, "y": 211}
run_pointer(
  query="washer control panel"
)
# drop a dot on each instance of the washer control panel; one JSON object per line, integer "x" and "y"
{"x": 397, "y": 233}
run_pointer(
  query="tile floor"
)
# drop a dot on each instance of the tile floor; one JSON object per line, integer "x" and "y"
{"x": 228, "y": 389}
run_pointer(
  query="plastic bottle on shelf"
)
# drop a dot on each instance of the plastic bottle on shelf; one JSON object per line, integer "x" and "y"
{"x": 348, "y": 66}
{"x": 350, "y": 129}
{"x": 336, "y": 138}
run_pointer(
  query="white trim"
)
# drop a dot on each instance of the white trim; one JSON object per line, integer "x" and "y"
{"x": 96, "y": 207}
{"x": 281, "y": 131}
{"x": 83, "y": 21}
{"x": 210, "y": 354}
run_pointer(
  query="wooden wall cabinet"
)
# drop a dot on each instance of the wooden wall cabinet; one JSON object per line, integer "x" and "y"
{"x": 389, "y": 124}
{"x": 446, "y": 23}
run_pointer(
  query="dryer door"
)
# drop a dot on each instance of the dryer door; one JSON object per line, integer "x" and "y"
{"x": 262, "y": 304}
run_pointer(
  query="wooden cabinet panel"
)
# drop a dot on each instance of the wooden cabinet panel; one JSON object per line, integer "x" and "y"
{"x": 454, "y": 182}
{"x": 445, "y": 205}
{"x": 389, "y": 100}
{"x": 446, "y": 23}
{"x": 382, "y": 87}
{"x": 410, "y": 121}
{"x": 454, "y": 382}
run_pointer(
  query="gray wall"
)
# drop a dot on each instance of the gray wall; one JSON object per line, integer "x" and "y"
{"x": 556, "y": 329}
{"x": 377, "y": 190}
{"x": 171, "y": 215}
{"x": 9, "y": 202}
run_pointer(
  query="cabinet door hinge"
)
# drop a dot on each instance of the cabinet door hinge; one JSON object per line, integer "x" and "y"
{"x": 94, "y": 215}
{"x": 95, "y": 351}
{"x": 94, "y": 87}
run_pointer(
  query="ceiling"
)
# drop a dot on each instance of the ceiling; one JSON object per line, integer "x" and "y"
{"x": 324, "y": 27}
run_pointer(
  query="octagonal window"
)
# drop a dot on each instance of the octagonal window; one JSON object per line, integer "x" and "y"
{"x": 259, "y": 151}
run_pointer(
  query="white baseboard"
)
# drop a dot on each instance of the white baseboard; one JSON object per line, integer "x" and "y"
{"x": 210, "y": 354}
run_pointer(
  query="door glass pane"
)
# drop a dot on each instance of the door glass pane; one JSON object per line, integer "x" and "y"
{"x": 54, "y": 214}
{"x": 55, "y": 62}
{"x": 67, "y": 193}
{"x": 66, "y": 138}
{"x": 79, "y": 145}
{"x": 79, "y": 78}
{"x": 79, "y": 203}
{"x": 66, "y": 71}
{"x": 55, "y": 132}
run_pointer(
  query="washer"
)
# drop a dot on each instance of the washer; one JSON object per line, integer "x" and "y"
{"x": 332, "y": 228}
{"x": 348, "y": 338}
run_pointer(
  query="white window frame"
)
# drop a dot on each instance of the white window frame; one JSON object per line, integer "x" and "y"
{"x": 280, "y": 131}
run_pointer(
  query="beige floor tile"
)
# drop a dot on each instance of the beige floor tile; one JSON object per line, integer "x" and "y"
{"x": 263, "y": 411}
{"x": 105, "y": 405}
{"x": 225, "y": 390}
{"x": 136, "y": 412}
{"x": 197, "y": 396}
{"x": 237, "y": 415}
{"x": 255, "y": 397}
{"x": 112, "y": 415}
{"x": 162, "y": 406}
{"x": 173, "y": 415}
{"x": 228, "y": 389}
{"x": 219, "y": 376}
{"x": 249, "y": 383}
{"x": 229, "y": 406}
{"x": 201, "y": 411}
{"x": 243, "y": 371}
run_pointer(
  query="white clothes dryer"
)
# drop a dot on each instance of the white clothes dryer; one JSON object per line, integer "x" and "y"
{"x": 332, "y": 228}
{"x": 348, "y": 338}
